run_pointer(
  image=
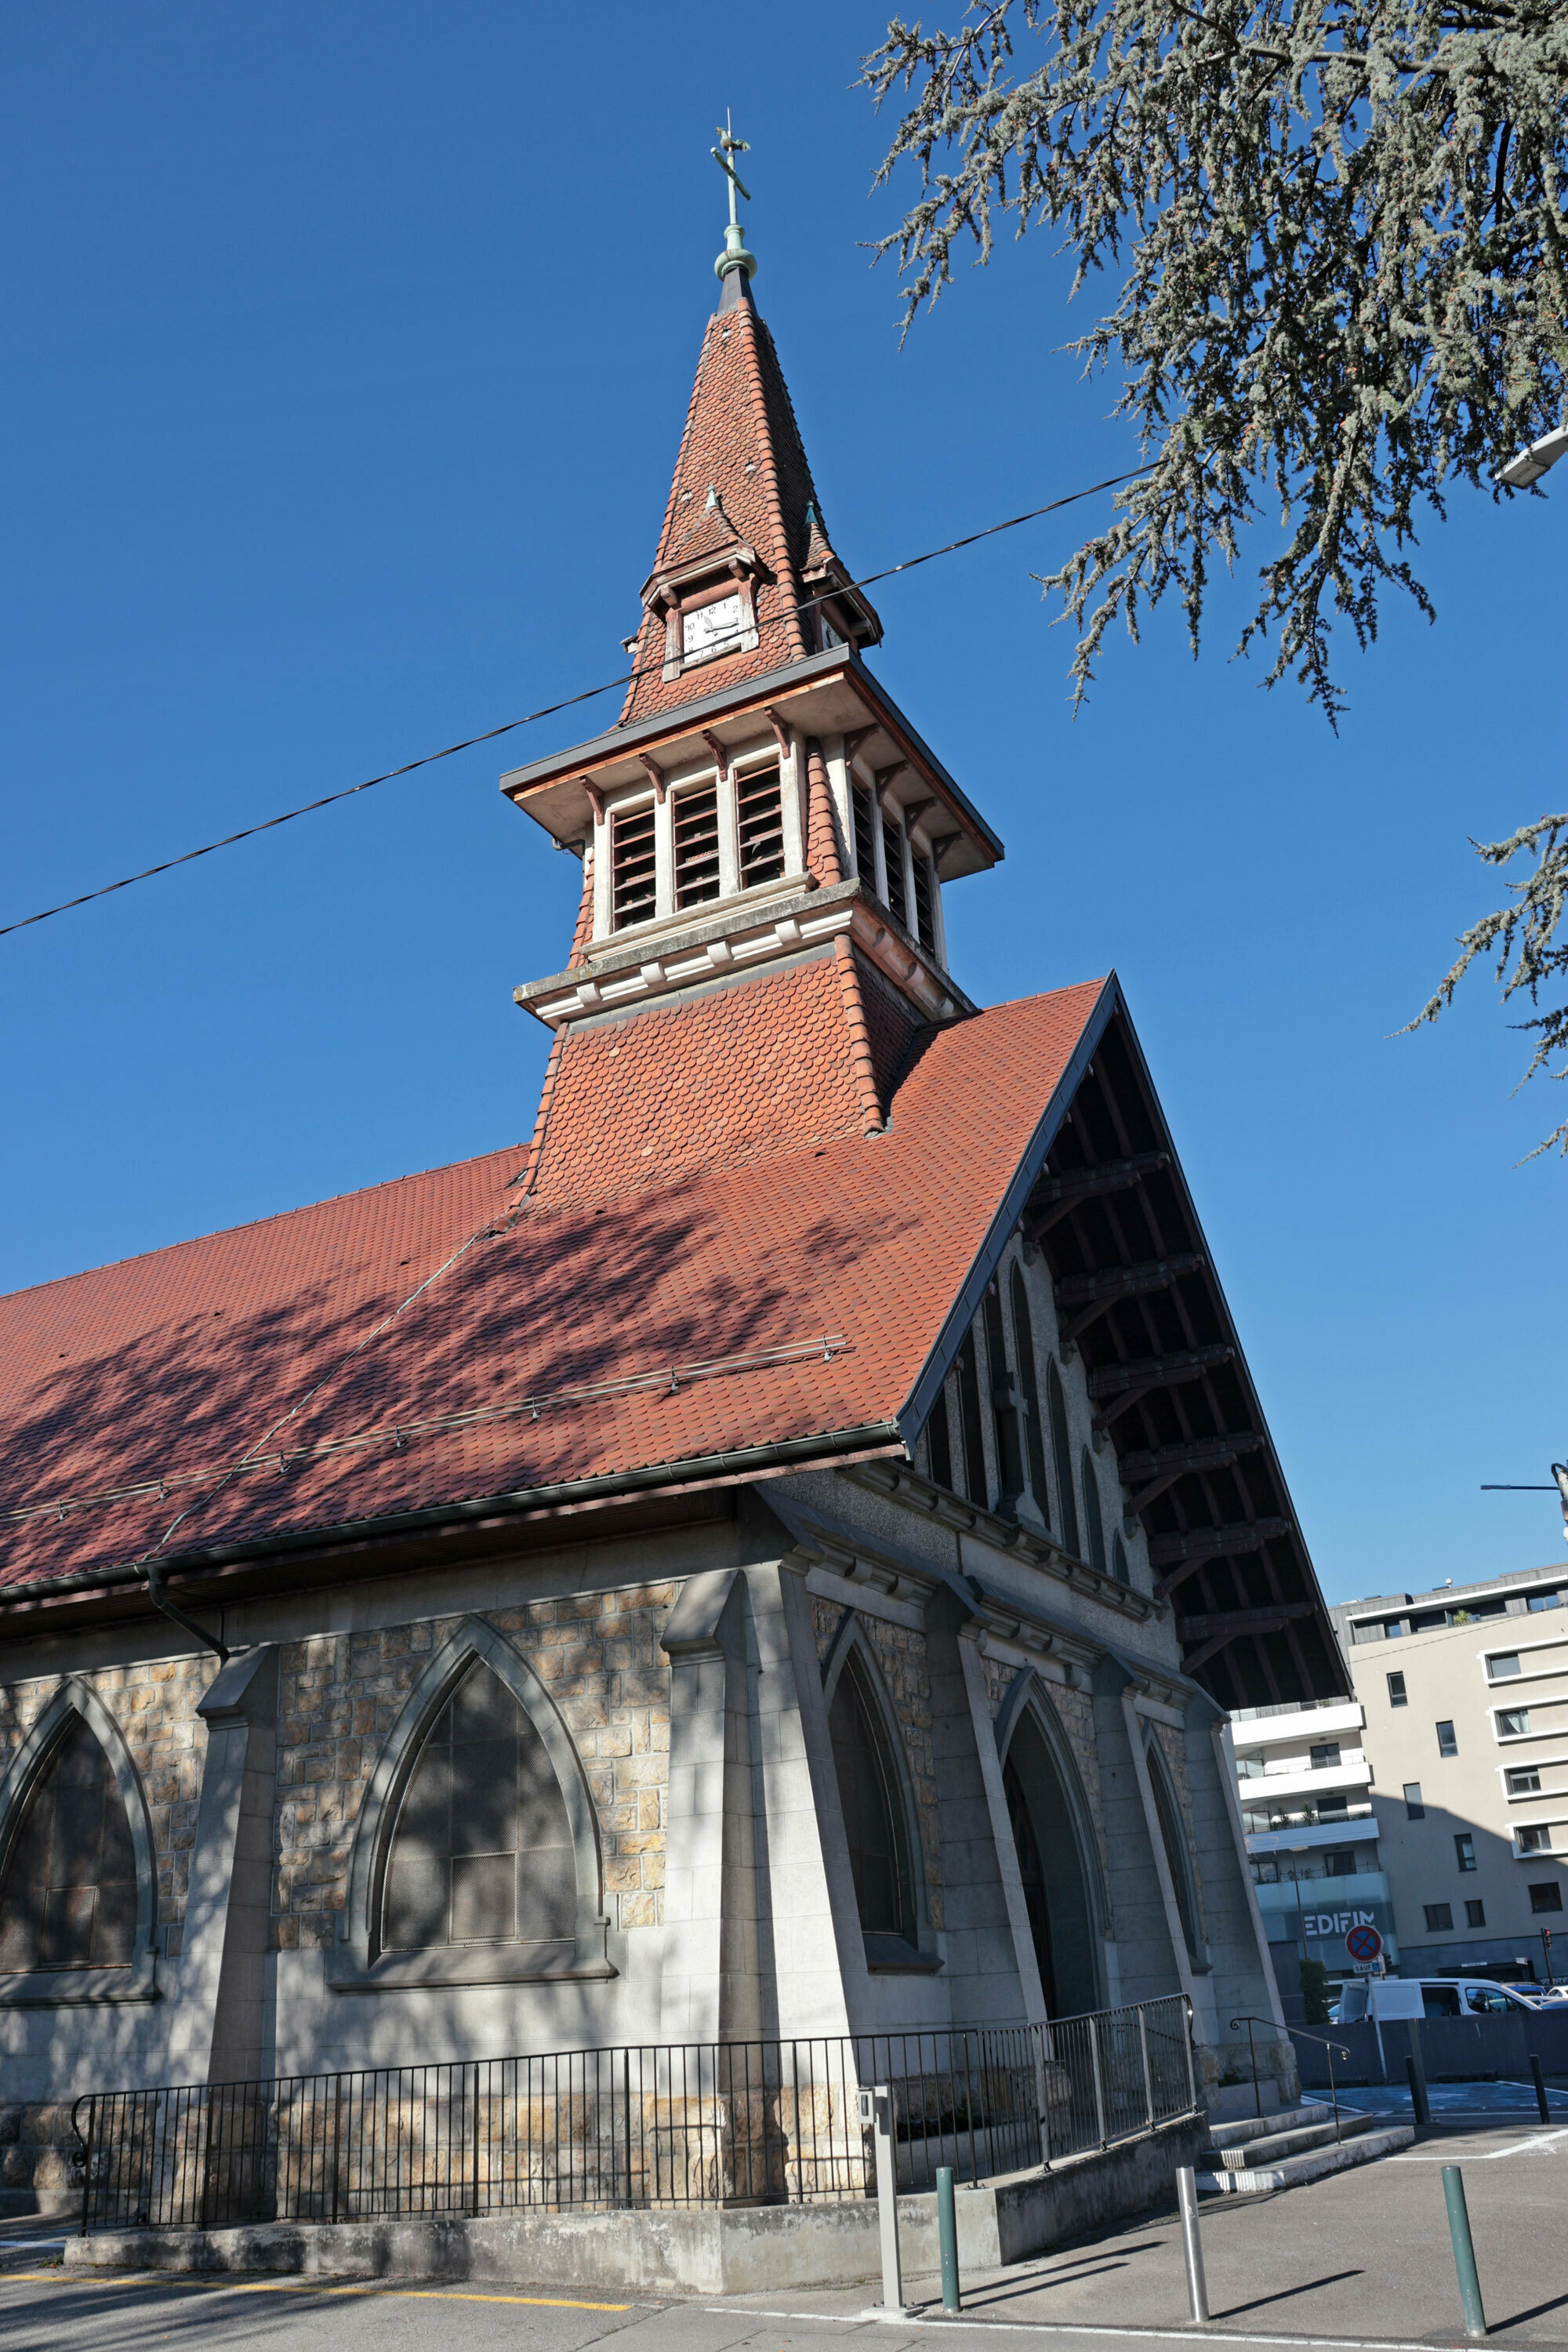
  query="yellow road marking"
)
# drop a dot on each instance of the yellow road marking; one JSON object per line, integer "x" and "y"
{"x": 305, "y": 2286}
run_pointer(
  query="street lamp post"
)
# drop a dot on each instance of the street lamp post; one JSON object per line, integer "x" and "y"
{"x": 1521, "y": 472}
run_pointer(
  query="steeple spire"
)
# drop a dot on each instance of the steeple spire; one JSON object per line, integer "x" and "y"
{"x": 735, "y": 267}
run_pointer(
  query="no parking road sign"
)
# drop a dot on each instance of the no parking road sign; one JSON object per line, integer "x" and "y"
{"x": 1363, "y": 1944}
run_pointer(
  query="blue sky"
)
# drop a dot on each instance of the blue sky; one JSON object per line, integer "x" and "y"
{"x": 348, "y": 351}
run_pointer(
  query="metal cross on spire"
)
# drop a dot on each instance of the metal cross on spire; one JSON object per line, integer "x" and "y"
{"x": 734, "y": 256}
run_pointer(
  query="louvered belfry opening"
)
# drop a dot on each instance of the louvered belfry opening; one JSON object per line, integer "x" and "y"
{"x": 865, "y": 835}
{"x": 695, "y": 830}
{"x": 925, "y": 921}
{"x": 631, "y": 867}
{"x": 759, "y": 810}
{"x": 893, "y": 858}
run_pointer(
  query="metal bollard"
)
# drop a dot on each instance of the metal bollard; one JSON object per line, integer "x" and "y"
{"x": 877, "y": 2109}
{"x": 1192, "y": 2245}
{"x": 947, "y": 2238}
{"x": 1464, "y": 2251}
{"x": 1540, "y": 2088}
{"x": 1418, "y": 2106}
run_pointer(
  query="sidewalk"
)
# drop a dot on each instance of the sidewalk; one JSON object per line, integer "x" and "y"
{"x": 1362, "y": 2255}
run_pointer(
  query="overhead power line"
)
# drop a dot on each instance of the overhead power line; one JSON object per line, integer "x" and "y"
{"x": 550, "y": 710}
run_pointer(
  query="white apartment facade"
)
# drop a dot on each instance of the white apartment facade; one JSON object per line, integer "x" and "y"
{"x": 1463, "y": 1695}
{"x": 1313, "y": 1830}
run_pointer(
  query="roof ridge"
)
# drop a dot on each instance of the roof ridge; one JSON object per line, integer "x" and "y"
{"x": 272, "y": 1217}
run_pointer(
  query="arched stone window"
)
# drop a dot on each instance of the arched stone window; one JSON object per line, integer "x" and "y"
{"x": 877, "y": 1805}
{"x": 482, "y": 1852}
{"x": 1029, "y": 1388}
{"x": 1178, "y": 1860}
{"x": 1092, "y": 1512}
{"x": 1058, "y": 1859}
{"x": 78, "y": 1891}
{"x": 1062, "y": 1449}
{"x": 1003, "y": 1407}
{"x": 477, "y": 1855}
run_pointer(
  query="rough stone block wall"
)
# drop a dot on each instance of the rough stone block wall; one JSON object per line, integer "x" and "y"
{"x": 340, "y": 1694}
{"x": 1074, "y": 1713}
{"x": 155, "y": 1709}
{"x": 1174, "y": 1748}
{"x": 826, "y": 1616}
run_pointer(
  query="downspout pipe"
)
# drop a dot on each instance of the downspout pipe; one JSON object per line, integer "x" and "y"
{"x": 158, "y": 1594}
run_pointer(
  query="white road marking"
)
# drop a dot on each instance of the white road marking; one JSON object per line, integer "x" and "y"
{"x": 1181, "y": 2334}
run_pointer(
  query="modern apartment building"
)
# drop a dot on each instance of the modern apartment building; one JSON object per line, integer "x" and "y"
{"x": 1462, "y": 1697}
{"x": 1313, "y": 1830}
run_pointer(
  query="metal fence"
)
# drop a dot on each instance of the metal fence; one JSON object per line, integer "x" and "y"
{"x": 655, "y": 2125}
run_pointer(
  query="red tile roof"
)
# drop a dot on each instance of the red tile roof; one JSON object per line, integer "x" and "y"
{"x": 173, "y": 1366}
{"x": 741, "y": 439}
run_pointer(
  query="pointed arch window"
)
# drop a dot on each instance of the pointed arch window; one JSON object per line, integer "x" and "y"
{"x": 939, "y": 1443}
{"x": 1003, "y": 1407}
{"x": 1118, "y": 1568}
{"x": 1061, "y": 1449}
{"x": 1178, "y": 1860}
{"x": 482, "y": 1852}
{"x": 1029, "y": 1386}
{"x": 969, "y": 1422}
{"x": 870, "y": 1796}
{"x": 1092, "y": 1512}
{"x": 68, "y": 1896}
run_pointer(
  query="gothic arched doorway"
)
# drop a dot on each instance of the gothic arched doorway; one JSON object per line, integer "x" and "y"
{"x": 1046, "y": 1839}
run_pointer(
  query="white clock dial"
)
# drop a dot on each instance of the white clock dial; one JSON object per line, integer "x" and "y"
{"x": 711, "y": 628}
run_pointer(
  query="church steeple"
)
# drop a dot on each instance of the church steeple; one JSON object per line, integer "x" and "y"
{"x": 761, "y": 826}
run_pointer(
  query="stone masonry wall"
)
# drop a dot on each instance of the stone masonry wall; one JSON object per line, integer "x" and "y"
{"x": 1174, "y": 1748}
{"x": 339, "y": 1695}
{"x": 902, "y": 1655}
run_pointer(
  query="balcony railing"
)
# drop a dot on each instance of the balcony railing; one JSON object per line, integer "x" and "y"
{"x": 657, "y": 2124}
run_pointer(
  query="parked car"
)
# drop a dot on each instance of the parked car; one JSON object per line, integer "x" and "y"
{"x": 1551, "y": 1995}
{"x": 1382, "y": 1998}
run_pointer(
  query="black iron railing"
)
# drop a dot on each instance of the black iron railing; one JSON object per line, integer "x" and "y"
{"x": 651, "y": 2124}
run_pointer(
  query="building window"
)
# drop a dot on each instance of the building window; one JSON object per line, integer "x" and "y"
{"x": 873, "y": 1814}
{"x": 1543, "y": 1601}
{"x": 1475, "y": 1914}
{"x": 1535, "y": 1840}
{"x": 1393, "y": 1628}
{"x": 1465, "y": 1850}
{"x": 1118, "y": 1568}
{"x": 1546, "y": 1894}
{"x": 482, "y": 1852}
{"x": 1333, "y": 1805}
{"x": 865, "y": 833}
{"x": 759, "y": 810}
{"x": 1503, "y": 1666}
{"x": 1438, "y": 1917}
{"x": 1062, "y": 1451}
{"x": 939, "y": 1445}
{"x": 1415, "y": 1810}
{"x": 1028, "y": 1382}
{"x": 1524, "y": 1780}
{"x": 1266, "y": 1873}
{"x": 1512, "y": 1722}
{"x": 1446, "y": 1743}
{"x": 893, "y": 861}
{"x": 1004, "y": 1411}
{"x": 925, "y": 924}
{"x": 1092, "y": 1512}
{"x": 1396, "y": 1693}
{"x": 1339, "y": 1862}
{"x": 969, "y": 1422}
{"x": 631, "y": 867}
{"x": 1325, "y": 1754}
{"x": 695, "y": 829}
{"x": 68, "y": 1896}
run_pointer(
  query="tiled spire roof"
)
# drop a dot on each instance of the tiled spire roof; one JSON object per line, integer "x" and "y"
{"x": 743, "y": 447}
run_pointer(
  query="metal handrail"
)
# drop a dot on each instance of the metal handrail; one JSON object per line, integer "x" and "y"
{"x": 1331, "y": 2047}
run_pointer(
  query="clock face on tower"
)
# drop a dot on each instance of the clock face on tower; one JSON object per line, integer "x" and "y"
{"x": 712, "y": 628}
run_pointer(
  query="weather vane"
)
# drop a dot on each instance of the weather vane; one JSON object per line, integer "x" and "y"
{"x": 734, "y": 256}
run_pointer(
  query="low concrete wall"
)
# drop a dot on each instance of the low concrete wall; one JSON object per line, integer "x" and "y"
{"x": 726, "y": 2249}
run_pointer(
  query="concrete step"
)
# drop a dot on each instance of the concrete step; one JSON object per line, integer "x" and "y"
{"x": 1274, "y": 2145}
{"x": 1313, "y": 2164}
{"x": 1264, "y": 2126}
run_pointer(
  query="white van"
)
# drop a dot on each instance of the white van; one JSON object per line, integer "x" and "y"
{"x": 1380, "y": 1997}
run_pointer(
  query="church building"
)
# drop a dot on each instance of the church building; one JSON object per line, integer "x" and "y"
{"x": 769, "y": 1555}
